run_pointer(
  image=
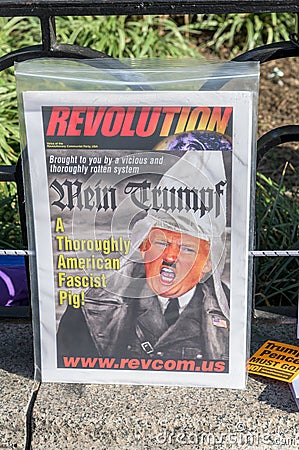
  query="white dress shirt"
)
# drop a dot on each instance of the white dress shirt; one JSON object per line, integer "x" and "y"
{"x": 183, "y": 300}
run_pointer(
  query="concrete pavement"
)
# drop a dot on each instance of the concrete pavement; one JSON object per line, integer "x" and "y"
{"x": 73, "y": 416}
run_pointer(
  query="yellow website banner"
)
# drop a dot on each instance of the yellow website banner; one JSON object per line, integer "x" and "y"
{"x": 275, "y": 360}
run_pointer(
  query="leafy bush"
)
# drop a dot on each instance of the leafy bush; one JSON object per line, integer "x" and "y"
{"x": 10, "y": 234}
{"x": 129, "y": 36}
{"x": 277, "y": 228}
{"x": 242, "y": 32}
{"x": 9, "y": 129}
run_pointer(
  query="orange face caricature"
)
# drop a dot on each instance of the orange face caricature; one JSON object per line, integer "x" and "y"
{"x": 174, "y": 262}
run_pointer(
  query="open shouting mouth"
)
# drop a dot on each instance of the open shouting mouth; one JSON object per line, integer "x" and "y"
{"x": 167, "y": 275}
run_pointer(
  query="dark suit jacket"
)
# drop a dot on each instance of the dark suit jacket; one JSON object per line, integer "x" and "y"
{"x": 120, "y": 326}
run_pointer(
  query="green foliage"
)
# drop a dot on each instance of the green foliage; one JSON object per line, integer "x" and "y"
{"x": 10, "y": 229}
{"x": 277, "y": 228}
{"x": 128, "y": 36}
{"x": 18, "y": 32}
{"x": 15, "y": 33}
{"x": 9, "y": 129}
{"x": 242, "y": 32}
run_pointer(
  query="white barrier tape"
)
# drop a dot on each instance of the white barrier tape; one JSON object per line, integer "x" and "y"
{"x": 15, "y": 253}
{"x": 274, "y": 252}
{"x": 252, "y": 252}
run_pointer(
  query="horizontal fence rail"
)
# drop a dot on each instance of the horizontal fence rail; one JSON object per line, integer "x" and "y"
{"x": 139, "y": 7}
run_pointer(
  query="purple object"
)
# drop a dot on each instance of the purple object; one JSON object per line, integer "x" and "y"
{"x": 195, "y": 141}
{"x": 13, "y": 286}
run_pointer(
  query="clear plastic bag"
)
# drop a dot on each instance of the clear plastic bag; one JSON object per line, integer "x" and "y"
{"x": 139, "y": 184}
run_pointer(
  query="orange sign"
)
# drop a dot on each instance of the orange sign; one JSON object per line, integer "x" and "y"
{"x": 275, "y": 360}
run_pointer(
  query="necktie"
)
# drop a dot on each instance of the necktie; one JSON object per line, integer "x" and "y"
{"x": 171, "y": 313}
